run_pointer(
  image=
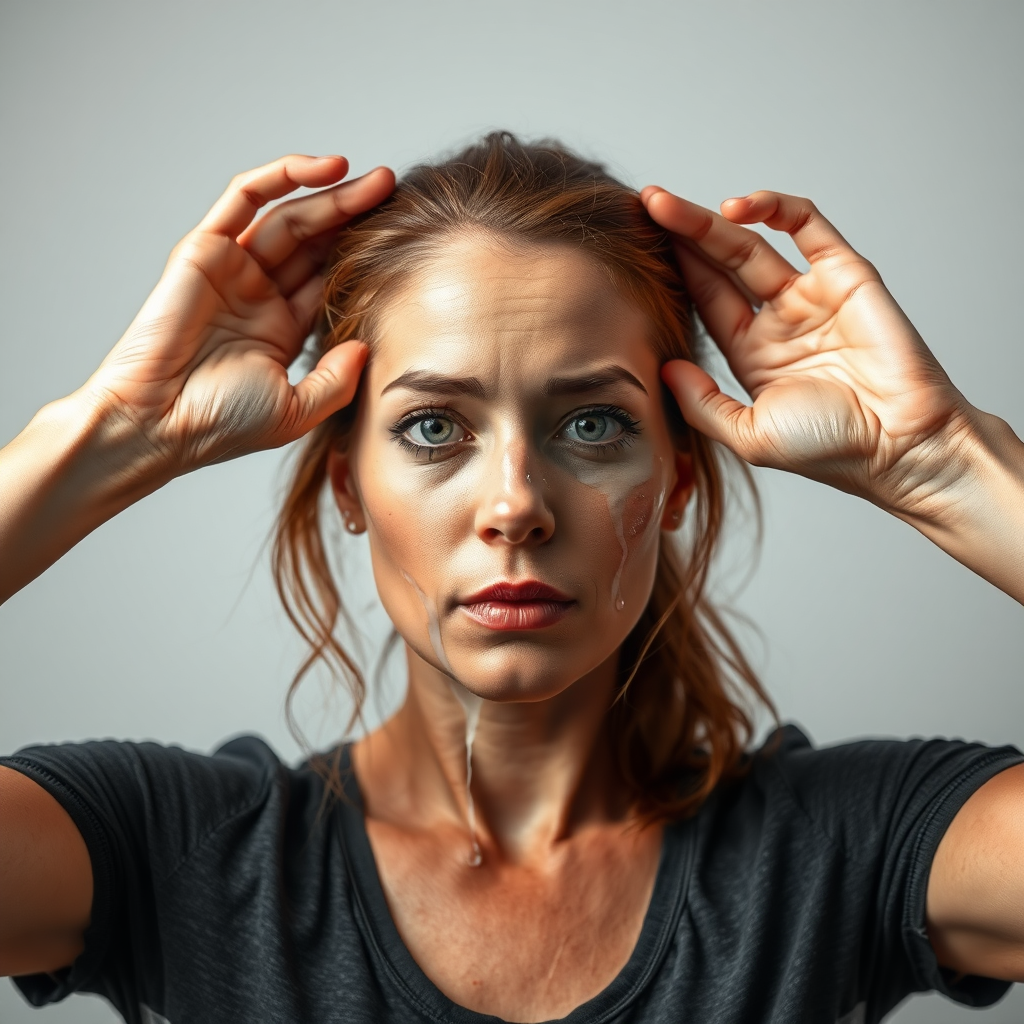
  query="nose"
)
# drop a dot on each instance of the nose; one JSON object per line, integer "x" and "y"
{"x": 512, "y": 506}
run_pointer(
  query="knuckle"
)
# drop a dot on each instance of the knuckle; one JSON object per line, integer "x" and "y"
{"x": 744, "y": 251}
{"x": 703, "y": 290}
{"x": 797, "y": 222}
{"x": 295, "y": 224}
{"x": 825, "y": 251}
{"x": 251, "y": 194}
{"x": 198, "y": 248}
{"x": 705, "y": 223}
{"x": 341, "y": 198}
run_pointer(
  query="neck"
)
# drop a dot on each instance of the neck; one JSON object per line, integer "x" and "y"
{"x": 540, "y": 770}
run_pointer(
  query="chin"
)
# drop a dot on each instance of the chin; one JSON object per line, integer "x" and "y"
{"x": 508, "y": 677}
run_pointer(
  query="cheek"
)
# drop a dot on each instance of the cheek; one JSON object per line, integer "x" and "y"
{"x": 638, "y": 517}
{"x": 411, "y": 515}
{"x": 411, "y": 525}
{"x": 633, "y": 509}
{"x": 633, "y": 517}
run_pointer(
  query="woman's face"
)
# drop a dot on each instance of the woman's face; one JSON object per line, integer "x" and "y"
{"x": 512, "y": 465}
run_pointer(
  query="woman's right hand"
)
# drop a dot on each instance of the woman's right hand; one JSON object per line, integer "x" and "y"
{"x": 201, "y": 374}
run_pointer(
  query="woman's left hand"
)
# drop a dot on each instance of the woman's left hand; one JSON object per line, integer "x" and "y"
{"x": 844, "y": 389}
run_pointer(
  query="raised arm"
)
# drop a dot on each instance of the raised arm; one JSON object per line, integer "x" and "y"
{"x": 845, "y": 391}
{"x": 201, "y": 374}
{"x": 199, "y": 377}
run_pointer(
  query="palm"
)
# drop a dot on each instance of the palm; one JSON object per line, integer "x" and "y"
{"x": 223, "y": 363}
{"x": 203, "y": 369}
{"x": 843, "y": 387}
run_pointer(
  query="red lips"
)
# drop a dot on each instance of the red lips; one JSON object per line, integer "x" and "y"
{"x": 527, "y": 590}
{"x": 528, "y": 604}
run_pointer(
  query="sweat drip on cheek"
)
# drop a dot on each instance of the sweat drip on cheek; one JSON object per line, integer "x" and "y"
{"x": 620, "y": 533}
{"x": 471, "y": 705}
{"x": 634, "y": 509}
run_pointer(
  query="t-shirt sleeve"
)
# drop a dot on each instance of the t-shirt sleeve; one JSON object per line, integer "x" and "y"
{"x": 887, "y": 804}
{"x": 142, "y": 809}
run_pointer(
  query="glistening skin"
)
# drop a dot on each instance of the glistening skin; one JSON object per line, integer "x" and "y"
{"x": 513, "y": 466}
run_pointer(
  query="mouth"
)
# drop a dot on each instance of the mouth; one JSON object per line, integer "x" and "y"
{"x": 528, "y": 604}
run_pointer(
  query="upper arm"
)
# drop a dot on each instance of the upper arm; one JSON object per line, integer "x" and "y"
{"x": 975, "y": 901}
{"x": 46, "y": 880}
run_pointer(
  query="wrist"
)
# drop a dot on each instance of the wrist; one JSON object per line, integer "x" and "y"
{"x": 60, "y": 478}
{"x": 972, "y": 505}
{"x": 92, "y": 449}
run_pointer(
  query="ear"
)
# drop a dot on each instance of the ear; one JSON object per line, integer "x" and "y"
{"x": 346, "y": 496}
{"x": 680, "y": 493}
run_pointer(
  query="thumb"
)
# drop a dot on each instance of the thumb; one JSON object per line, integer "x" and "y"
{"x": 706, "y": 408}
{"x": 329, "y": 386}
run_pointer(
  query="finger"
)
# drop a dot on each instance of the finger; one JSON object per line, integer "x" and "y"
{"x": 251, "y": 190}
{"x": 306, "y": 304}
{"x": 755, "y": 301}
{"x": 743, "y": 252}
{"x": 274, "y": 237}
{"x": 329, "y": 386}
{"x": 814, "y": 236}
{"x": 304, "y": 263}
{"x": 706, "y": 408}
{"x": 722, "y": 309}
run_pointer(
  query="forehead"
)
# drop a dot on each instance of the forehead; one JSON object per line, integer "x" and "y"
{"x": 506, "y": 313}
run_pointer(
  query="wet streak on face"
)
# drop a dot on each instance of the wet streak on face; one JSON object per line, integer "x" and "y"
{"x": 513, "y": 467}
{"x": 508, "y": 433}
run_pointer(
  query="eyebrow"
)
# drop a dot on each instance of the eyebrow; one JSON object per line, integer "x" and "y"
{"x": 472, "y": 387}
{"x": 437, "y": 384}
{"x": 600, "y": 378}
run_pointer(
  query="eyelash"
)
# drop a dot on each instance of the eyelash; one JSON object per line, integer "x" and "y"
{"x": 399, "y": 429}
{"x": 630, "y": 430}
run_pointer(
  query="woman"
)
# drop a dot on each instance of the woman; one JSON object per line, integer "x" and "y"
{"x": 561, "y": 821}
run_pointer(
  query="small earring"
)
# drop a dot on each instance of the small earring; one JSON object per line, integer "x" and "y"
{"x": 350, "y": 525}
{"x": 676, "y": 516}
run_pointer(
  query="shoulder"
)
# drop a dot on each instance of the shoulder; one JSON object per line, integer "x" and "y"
{"x": 165, "y": 801}
{"x": 828, "y": 851}
{"x": 859, "y": 795}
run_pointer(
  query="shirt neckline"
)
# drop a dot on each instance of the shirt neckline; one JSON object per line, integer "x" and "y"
{"x": 392, "y": 957}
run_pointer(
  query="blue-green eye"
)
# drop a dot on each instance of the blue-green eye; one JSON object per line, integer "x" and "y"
{"x": 432, "y": 431}
{"x": 593, "y": 428}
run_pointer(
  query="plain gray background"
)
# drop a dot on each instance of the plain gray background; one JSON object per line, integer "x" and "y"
{"x": 121, "y": 123}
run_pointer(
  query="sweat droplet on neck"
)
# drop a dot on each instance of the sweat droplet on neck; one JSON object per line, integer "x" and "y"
{"x": 471, "y": 705}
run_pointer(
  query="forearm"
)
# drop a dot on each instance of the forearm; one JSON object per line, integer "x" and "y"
{"x": 73, "y": 467}
{"x": 979, "y": 517}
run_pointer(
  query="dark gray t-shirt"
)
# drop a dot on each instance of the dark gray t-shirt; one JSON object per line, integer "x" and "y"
{"x": 795, "y": 894}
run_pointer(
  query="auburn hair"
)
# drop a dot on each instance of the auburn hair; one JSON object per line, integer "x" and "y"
{"x": 680, "y": 722}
